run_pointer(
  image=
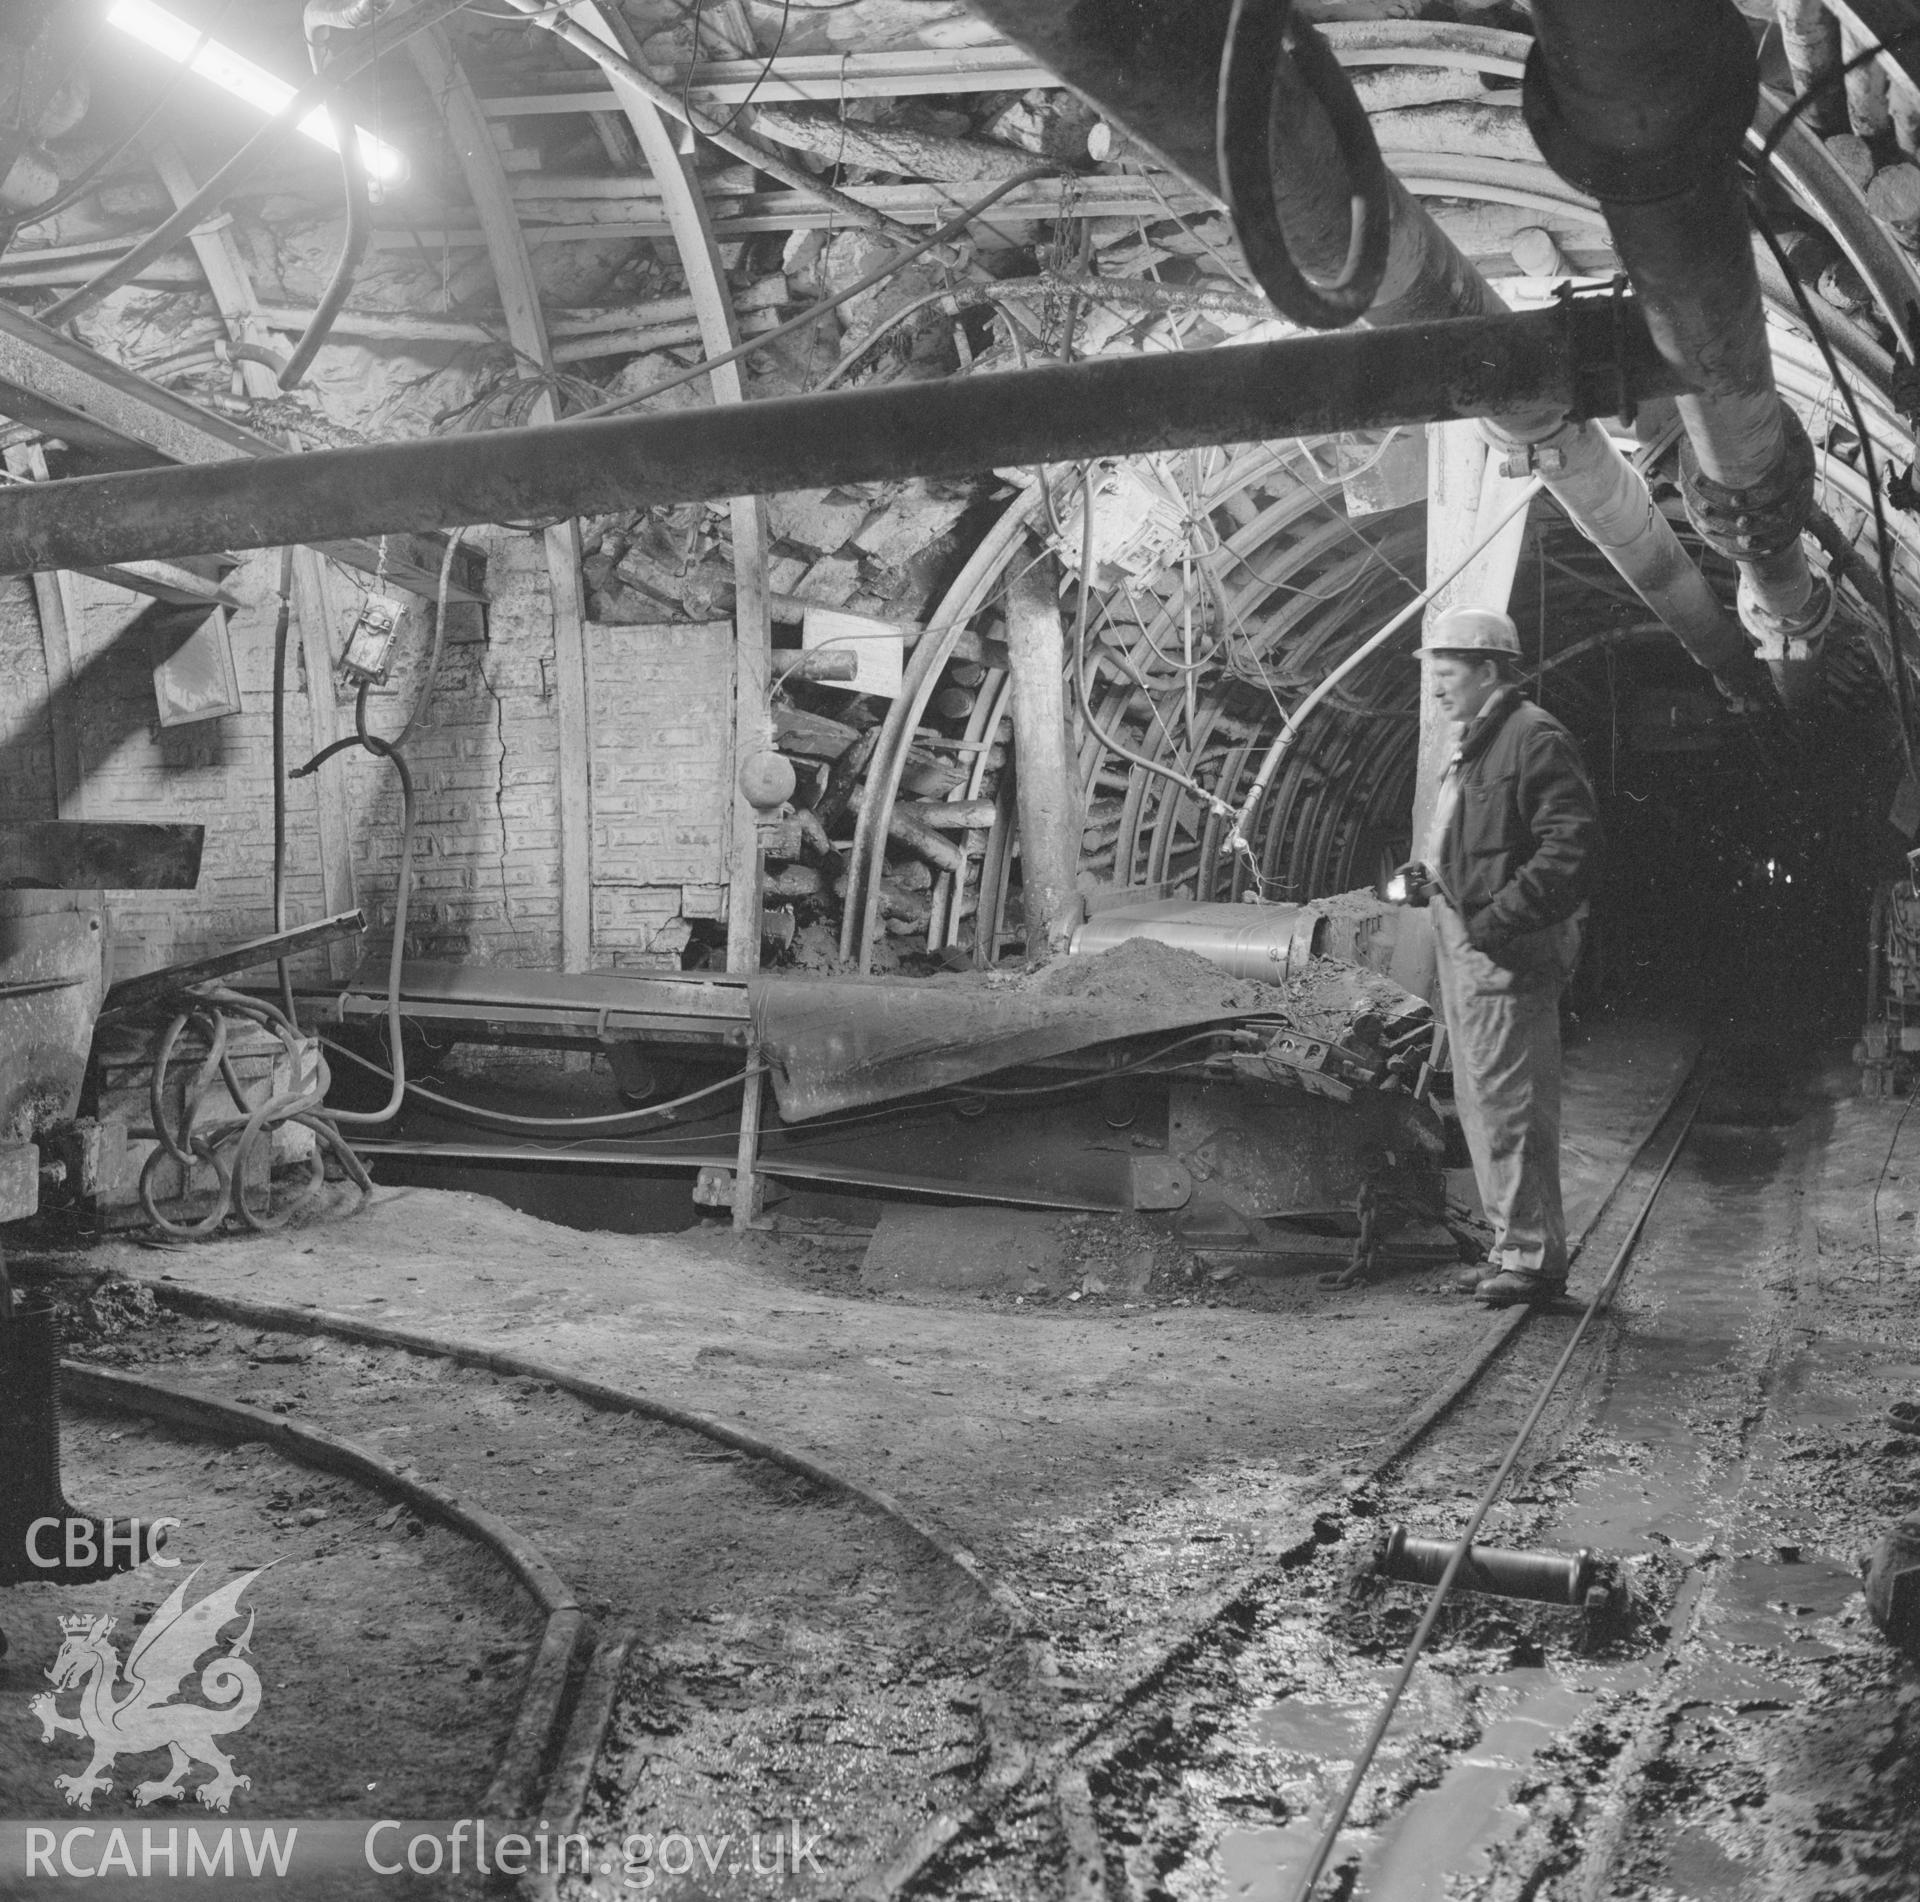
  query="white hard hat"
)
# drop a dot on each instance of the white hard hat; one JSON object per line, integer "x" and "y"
{"x": 1472, "y": 631}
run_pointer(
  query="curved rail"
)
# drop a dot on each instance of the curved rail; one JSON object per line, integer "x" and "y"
{"x": 542, "y": 1733}
{"x": 285, "y": 1319}
{"x": 537, "y": 1726}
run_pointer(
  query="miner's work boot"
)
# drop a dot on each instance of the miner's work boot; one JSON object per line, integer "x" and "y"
{"x": 1513, "y": 1286}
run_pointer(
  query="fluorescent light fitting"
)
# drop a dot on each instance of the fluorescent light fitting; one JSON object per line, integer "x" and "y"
{"x": 174, "y": 37}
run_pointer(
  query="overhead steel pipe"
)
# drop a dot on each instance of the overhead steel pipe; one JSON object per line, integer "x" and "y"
{"x": 1156, "y": 67}
{"x": 1425, "y": 277}
{"x": 1580, "y": 359}
{"x": 1645, "y": 103}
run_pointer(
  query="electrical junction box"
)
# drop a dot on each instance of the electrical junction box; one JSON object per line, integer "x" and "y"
{"x": 369, "y": 650}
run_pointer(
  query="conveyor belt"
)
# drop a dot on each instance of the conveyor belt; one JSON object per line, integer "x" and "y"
{"x": 510, "y": 1005}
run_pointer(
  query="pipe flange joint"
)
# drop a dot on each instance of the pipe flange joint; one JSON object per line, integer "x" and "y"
{"x": 1726, "y": 87}
{"x": 1766, "y": 518}
{"x": 1787, "y": 639}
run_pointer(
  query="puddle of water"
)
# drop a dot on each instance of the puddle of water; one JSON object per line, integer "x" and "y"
{"x": 1677, "y": 1374}
{"x": 1755, "y": 1601}
{"x": 1262, "y": 1864}
{"x": 1314, "y": 1727}
{"x": 1442, "y": 1831}
{"x": 1628, "y": 1514}
{"x": 1446, "y": 1831}
{"x": 1762, "y": 1605}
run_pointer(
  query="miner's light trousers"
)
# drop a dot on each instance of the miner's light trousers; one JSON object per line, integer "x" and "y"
{"x": 1503, "y": 1032}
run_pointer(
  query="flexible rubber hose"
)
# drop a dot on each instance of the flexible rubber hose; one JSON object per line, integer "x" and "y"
{"x": 282, "y": 623}
{"x": 214, "y": 193}
{"x": 353, "y": 247}
{"x": 402, "y": 900}
{"x": 479, "y": 1113}
{"x": 227, "y": 1147}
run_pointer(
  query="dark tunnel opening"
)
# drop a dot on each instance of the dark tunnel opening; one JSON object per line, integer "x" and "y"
{"x": 1741, "y": 853}
{"x": 1743, "y": 847}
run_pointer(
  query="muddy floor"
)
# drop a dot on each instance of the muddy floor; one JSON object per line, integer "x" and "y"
{"x": 389, "y": 1651}
{"x": 1118, "y": 1443}
{"x": 795, "y": 1657}
{"x": 1737, "y": 1731}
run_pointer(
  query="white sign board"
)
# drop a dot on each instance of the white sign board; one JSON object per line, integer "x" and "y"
{"x": 877, "y": 647}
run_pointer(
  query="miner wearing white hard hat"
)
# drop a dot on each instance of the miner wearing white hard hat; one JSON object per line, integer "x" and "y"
{"x": 1505, "y": 870}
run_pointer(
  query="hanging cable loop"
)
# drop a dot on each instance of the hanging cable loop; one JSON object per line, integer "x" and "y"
{"x": 1272, "y": 67}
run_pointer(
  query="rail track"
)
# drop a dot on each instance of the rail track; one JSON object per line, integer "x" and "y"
{"x": 760, "y": 1639}
{"x": 1692, "y": 1741}
{"x": 725, "y": 1641}
{"x": 1172, "y": 1787}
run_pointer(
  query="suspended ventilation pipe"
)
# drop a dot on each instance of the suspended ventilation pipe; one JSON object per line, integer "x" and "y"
{"x": 1283, "y": 161}
{"x": 1644, "y": 103}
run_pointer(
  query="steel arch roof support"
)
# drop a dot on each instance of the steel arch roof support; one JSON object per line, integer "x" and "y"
{"x": 687, "y": 217}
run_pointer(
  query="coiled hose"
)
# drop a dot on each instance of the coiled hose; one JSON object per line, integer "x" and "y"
{"x": 227, "y": 1145}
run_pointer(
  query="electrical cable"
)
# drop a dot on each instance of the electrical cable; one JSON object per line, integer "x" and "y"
{"x": 693, "y": 60}
{"x": 1322, "y": 495}
{"x": 1602, "y": 1295}
{"x": 402, "y": 898}
{"x": 275, "y": 133}
{"x": 390, "y": 750}
{"x": 282, "y": 623}
{"x": 1238, "y": 840}
{"x": 260, "y": 353}
{"x": 765, "y": 73}
{"x": 1144, "y": 686}
{"x": 479, "y": 1113}
{"x": 897, "y": 262}
{"x": 1101, "y": 1076}
{"x": 84, "y": 183}
{"x": 1173, "y": 666}
{"x": 432, "y": 674}
{"x": 761, "y": 157}
{"x": 1146, "y": 177}
{"x": 864, "y": 345}
{"x": 1883, "y": 540}
{"x": 1825, "y": 84}
{"x": 1118, "y": 747}
{"x": 353, "y": 248}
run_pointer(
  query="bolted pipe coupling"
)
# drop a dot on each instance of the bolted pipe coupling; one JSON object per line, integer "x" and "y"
{"x": 1761, "y": 518}
{"x": 1789, "y": 641}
